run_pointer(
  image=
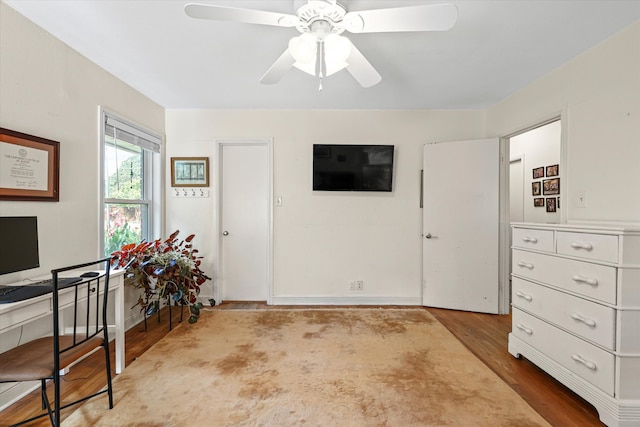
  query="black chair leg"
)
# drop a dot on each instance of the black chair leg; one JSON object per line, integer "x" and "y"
{"x": 43, "y": 394}
{"x": 108, "y": 369}
{"x": 56, "y": 394}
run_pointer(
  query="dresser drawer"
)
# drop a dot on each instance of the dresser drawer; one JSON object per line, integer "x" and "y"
{"x": 593, "y": 322}
{"x": 528, "y": 238}
{"x": 585, "y": 360}
{"x": 598, "y": 247}
{"x": 591, "y": 280}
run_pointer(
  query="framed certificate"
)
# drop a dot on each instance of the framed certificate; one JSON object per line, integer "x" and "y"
{"x": 29, "y": 167}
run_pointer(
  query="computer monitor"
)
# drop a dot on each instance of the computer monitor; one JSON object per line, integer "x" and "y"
{"x": 19, "y": 243}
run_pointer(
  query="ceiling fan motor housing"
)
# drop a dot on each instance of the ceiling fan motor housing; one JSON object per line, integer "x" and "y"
{"x": 320, "y": 18}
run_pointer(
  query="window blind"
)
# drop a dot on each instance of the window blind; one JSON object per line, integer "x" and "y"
{"x": 131, "y": 135}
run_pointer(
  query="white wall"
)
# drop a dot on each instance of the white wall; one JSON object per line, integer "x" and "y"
{"x": 49, "y": 90}
{"x": 539, "y": 147}
{"x": 598, "y": 94}
{"x": 322, "y": 240}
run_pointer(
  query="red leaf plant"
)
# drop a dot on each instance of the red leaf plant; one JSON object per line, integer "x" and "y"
{"x": 163, "y": 269}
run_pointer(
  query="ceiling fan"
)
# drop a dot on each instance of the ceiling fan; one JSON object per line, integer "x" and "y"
{"x": 320, "y": 50}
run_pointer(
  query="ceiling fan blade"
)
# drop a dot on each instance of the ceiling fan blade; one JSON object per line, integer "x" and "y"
{"x": 430, "y": 17}
{"x": 361, "y": 69}
{"x": 247, "y": 16}
{"x": 278, "y": 69}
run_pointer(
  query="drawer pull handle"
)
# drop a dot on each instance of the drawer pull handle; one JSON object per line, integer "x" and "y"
{"x": 581, "y": 245}
{"x": 524, "y": 329}
{"x": 585, "y": 362}
{"x": 524, "y": 296}
{"x": 581, "y": 279}
{"x": 528, "y": 239}
{"x": 585, "y": 320}
{"x": 525, "y": 265}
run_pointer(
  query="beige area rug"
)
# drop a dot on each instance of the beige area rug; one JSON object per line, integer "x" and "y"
{"x": 334, "y": 367}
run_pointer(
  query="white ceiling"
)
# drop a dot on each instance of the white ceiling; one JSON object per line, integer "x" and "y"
{"x": 495, "y": 48}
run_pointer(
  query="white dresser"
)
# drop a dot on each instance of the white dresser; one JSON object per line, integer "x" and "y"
{"x": 576, "y": 311}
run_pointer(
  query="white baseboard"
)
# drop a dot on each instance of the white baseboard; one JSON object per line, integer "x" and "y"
{"x": 355, "y": 300}
{"x": 16, "y": 391}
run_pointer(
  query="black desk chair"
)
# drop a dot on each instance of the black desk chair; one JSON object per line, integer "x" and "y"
{"x": 43, "y": 359}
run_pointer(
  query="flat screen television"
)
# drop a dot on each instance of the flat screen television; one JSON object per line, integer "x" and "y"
{"x": 352, "y": 167}
{"x": 19, "y": 248}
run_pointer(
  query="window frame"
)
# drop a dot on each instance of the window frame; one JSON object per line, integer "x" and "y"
{"x": 151, "y": 197}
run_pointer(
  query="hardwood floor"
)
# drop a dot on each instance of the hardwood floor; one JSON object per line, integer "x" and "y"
{"x": 484, "y": 335}
{"x": 88, "y": 376}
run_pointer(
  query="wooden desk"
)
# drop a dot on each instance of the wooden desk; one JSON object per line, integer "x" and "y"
{"x": 21, "y": 313}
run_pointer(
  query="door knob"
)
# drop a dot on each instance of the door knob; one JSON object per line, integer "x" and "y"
{"x": 428, "y": 236}
{"x": 225, "y": 233}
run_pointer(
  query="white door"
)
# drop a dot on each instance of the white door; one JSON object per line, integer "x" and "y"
{"x": 461, "y": 225}
{"x": 245, "y": 218}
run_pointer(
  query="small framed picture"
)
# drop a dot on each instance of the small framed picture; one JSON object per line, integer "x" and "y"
{"x": 552, "y": 170}
{"x": 538, "y": 202}
{"x": 538, "y": 172}
{"x": 535, "y": 188}
{"x": 189, "y": 171}
{"x": 551, "y": 186}
{"x": 551, "y": 204}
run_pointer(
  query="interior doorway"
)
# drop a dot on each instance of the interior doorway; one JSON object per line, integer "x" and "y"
{"x": 535, "y": 195}
{"x": 244, "y": 220}
{"x": 535, "y": 162}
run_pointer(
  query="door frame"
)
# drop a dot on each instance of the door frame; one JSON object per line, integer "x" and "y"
{"x": 505, "y": 223}
{"x": 217, "y": 224}
{"x": 504, "y": 229}
{"x": 517, "y": 158}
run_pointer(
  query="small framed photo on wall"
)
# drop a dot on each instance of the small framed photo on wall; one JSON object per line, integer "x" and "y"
{"x": 551, "y": 204}
{"x": 189, "y": 171}
{"x": 538, "y": 202}
{"x": 535, "y": 188}
{"x": 538, "y": 172}
{"x": 551, "y": 186}
{"x": 552, "y": 170}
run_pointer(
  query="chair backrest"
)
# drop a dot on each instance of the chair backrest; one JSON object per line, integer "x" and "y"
{"x": 84, "y": 304}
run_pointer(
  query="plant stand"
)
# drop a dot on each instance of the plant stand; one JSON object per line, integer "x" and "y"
{"x": 156, "y": 308}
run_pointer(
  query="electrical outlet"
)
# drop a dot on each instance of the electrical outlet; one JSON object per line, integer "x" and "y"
{"x": 352, "y": 285}
{"x": 359, "y": 285}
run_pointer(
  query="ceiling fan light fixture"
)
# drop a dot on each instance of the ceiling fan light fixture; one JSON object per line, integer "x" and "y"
{"x": 304, "y": 50}
{"x": 309, "y": 68}
{"x": 336, "y": 51}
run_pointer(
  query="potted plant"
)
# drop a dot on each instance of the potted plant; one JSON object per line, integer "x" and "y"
{"x": 168, "y": 269}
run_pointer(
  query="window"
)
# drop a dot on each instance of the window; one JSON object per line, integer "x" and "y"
{"x": 127, "y": 182}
